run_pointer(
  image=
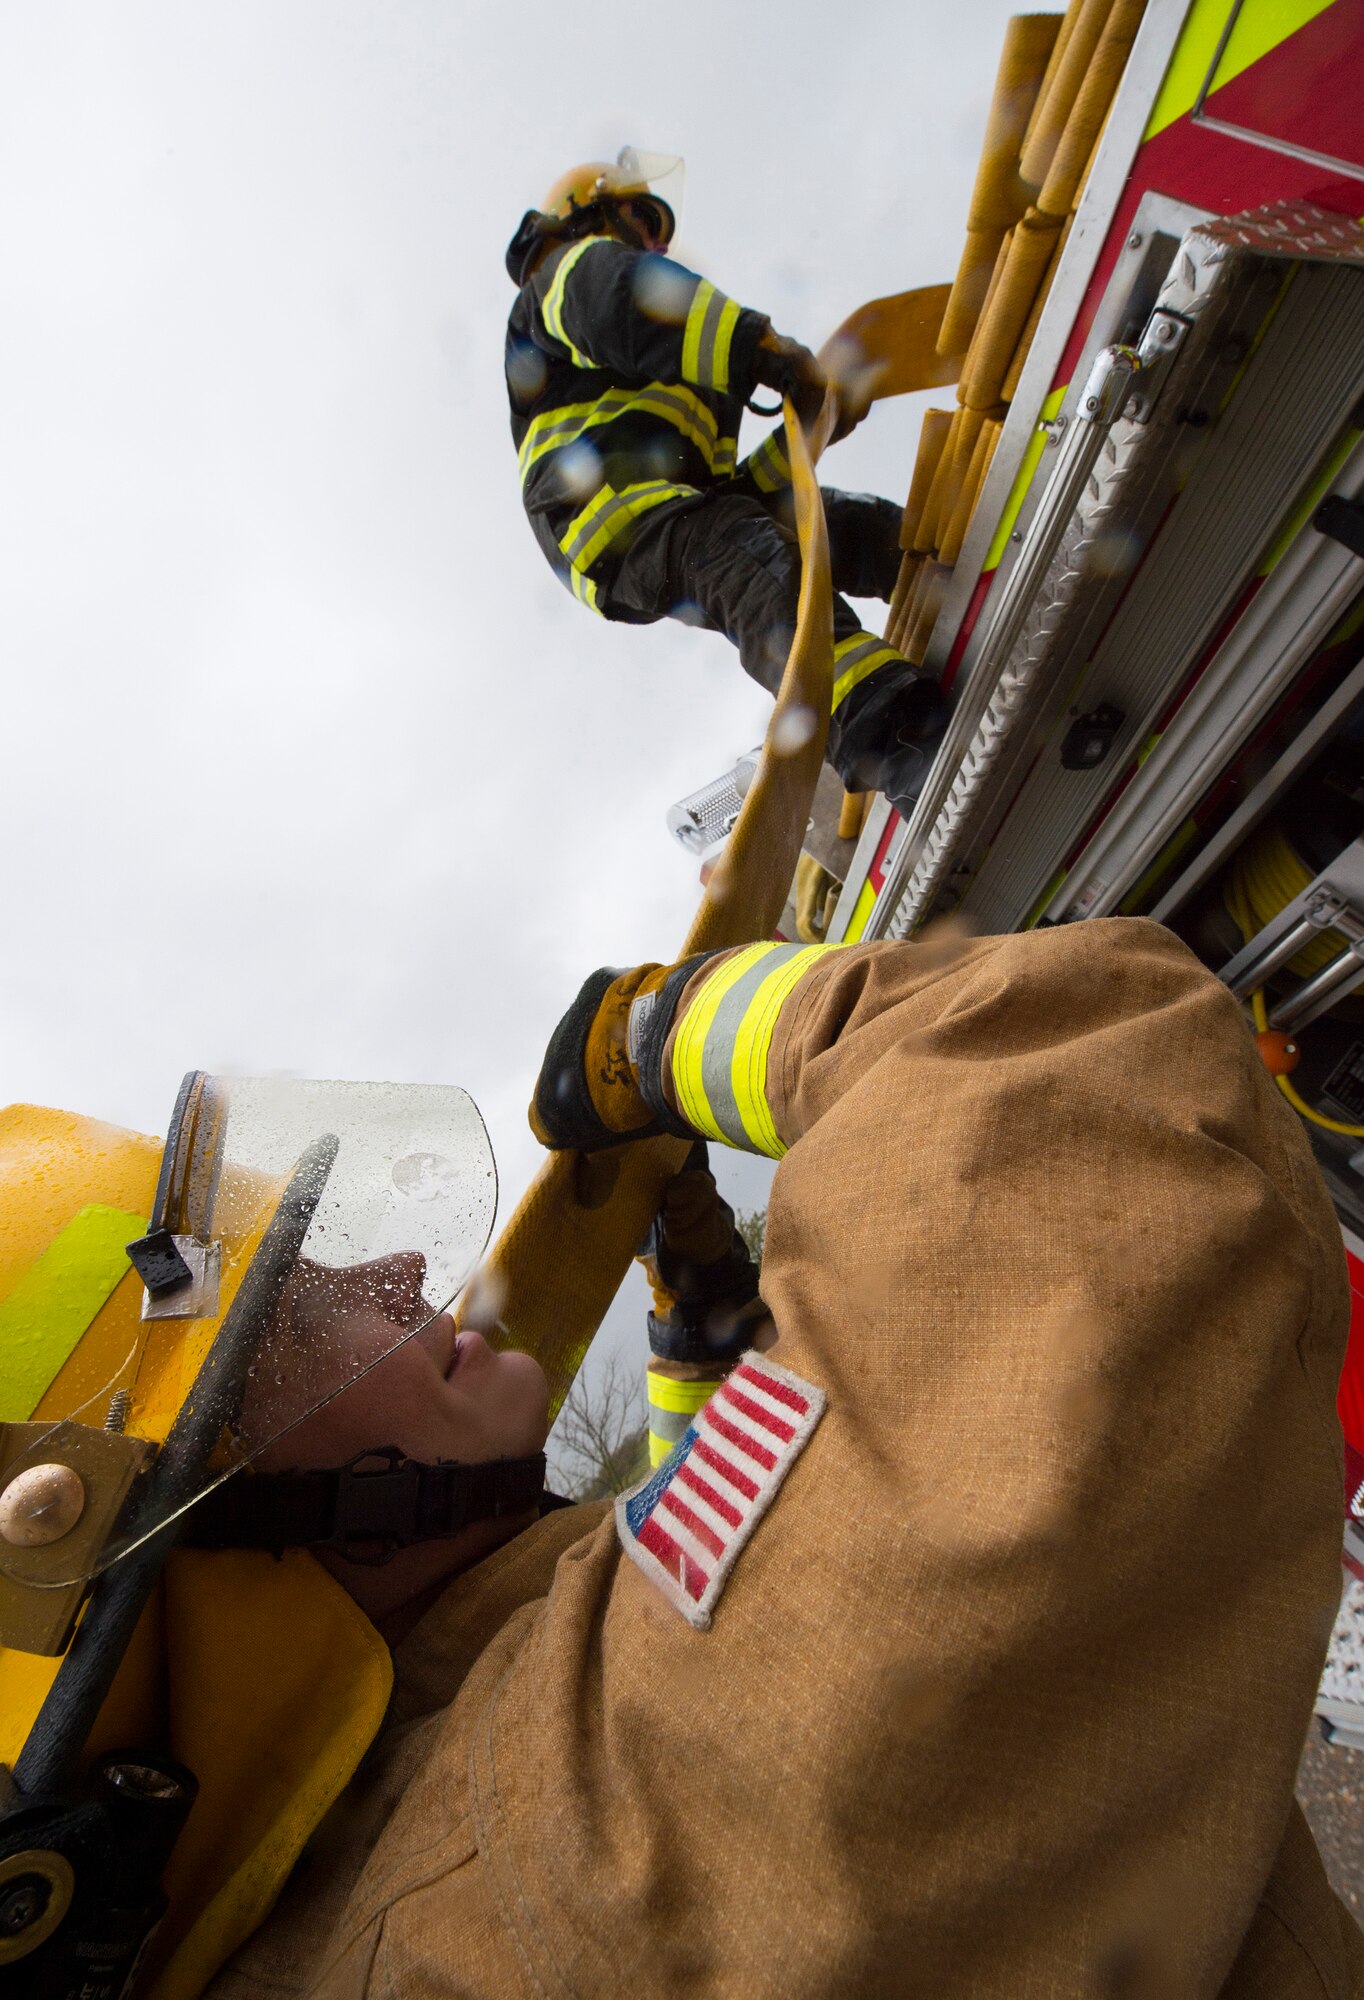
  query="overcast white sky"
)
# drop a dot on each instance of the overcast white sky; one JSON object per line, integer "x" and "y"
{"x": 312, "y": 764}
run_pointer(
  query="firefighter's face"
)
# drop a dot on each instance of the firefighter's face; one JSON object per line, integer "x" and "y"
{"x": 645, "y": 222}
{"x": 437, "y": 1394}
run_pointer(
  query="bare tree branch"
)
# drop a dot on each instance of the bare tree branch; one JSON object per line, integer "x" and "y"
{"x": 751, "y": 1224}
{"x": 599, "y": 1444}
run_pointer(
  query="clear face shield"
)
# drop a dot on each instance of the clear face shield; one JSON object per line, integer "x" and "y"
{"x": 650, "y": 180}
{"x": 663, "y": 174}
{"x": 300, "y": 1233}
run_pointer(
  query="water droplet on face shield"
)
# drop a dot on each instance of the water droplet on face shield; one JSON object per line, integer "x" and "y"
{"x": 1114, "y": 552}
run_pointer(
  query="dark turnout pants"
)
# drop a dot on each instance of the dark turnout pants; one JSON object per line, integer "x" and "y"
{"x": 732, "y": 565}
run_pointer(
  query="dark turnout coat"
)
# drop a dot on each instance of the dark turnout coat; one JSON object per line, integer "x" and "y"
{"x": 627, "y": 377}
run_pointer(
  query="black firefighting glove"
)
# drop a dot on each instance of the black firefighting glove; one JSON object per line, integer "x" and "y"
{"x": 600, "y": 1082}
{"x": 790, "y": 369}
{"x": 705, "y": 1283}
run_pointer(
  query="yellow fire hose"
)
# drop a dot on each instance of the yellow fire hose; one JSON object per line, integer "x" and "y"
{"x": 890, "y": 347}
{"x": 1000, "y": 196}
{"x": 560, "y": 1259}
{"x": 1056, "y": 82}
{"x": 562, "y": 1254}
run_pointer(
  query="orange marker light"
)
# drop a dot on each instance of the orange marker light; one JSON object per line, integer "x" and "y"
{"x": 1278, "y": 1052}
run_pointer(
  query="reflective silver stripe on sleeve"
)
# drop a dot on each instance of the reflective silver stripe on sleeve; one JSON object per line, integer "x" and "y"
{"x": 670, "y": 1424}
{"x": 707, "y": 338}
{"x": 717, "y": 1058}
{"x": 768, "y": 466}
{"x": 857, "y": 657}
{"x": 590, "y": 533}
{"x": 554, "y": 430}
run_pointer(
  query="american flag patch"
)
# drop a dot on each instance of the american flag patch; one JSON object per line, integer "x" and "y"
{"x": 686, "y": 1524}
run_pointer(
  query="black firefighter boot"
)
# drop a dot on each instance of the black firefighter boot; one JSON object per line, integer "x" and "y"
{"x": 888, "y": 744}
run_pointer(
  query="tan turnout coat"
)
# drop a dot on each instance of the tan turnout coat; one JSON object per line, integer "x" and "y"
{"x": 1006, "y": 1693}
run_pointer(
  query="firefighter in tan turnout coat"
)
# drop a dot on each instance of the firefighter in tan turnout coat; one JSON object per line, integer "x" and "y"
{"x": 966, "y": 1643}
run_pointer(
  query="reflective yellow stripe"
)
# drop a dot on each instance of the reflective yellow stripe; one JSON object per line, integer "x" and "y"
{"x": 553, "y": 429}
{"x": 665, "y": 1393}
{"x": 552, "y": 310}
{"x": 857, "y": 657}
{"x": 674, "y": 402}
{"x": 691, "y": 332}
{"x": 752, "y": 1044}
{"x": 768, "y": 466}
{"x": 862, "y": 909}
{"x": 609, "y": 514}
{"x": 589, "y": 532}
{"x": 678, "y": 406}
{"x": 584, "y": 590}
{"x": 724, "y": 340}
{"x": 689, "y": 1044}
{"x": 707, "y": 338}
{"x": 659, "y": 1448}
{"x": 55, "y": 1301}
{"x": 721, "y": 1049}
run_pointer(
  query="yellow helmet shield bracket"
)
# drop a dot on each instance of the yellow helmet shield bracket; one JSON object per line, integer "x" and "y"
{"x": 178, "y": 1261}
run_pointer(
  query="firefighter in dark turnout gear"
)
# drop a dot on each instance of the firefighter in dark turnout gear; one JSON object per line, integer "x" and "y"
{"x": 628, "y": 376}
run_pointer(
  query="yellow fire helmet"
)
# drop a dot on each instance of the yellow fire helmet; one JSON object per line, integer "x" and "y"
{"x": 579, "y": 202}
{"x": 635, "y": 176}
{"x": 173, "y": 1729}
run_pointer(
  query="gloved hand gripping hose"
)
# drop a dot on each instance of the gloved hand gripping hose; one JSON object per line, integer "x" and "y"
{"x": 704, "y": 1281}
{"x": 789, "y": 368}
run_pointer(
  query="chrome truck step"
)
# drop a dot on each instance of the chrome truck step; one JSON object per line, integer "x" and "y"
{"x": 1173, "y": 481}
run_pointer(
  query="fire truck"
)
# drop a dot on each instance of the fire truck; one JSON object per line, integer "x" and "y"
{"x": 1134, "y": 555}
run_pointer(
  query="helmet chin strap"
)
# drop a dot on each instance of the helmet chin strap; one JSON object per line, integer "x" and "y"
{"x": 379, "y": 1502}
